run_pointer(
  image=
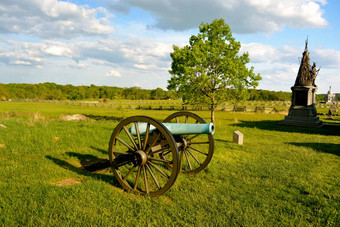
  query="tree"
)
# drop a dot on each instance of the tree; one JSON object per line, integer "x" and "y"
{"x": 209, "y": 69}
{"x": 3, "y": 94}
{"x": 158, "y": 94}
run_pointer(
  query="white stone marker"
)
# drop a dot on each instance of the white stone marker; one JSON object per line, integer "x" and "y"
{"x": 238, "y": 137}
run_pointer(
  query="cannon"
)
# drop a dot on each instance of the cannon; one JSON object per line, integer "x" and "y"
{"x": 146, "y": 155}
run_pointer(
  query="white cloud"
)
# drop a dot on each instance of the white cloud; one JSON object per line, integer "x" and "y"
{"x": 140, "y": 54}
{"x": 327, "y": 57}
{"x": 19, "y": 62}
{"x": 113, "y": 73}
{"x": 259, "y": 52}
{"x": 56, "y": 49}
{"x": 52, "y": 19}
{"x": 243, "y": 16}
{"x": 145, "y": 66}
{"x": 16, "y": 53}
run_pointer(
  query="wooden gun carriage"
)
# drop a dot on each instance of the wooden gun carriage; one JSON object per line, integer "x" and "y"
{"x": 146, "y": 155}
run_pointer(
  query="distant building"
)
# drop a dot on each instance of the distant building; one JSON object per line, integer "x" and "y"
{"x": 330, "y": 99}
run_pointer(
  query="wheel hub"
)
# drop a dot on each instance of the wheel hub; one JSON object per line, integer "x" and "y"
{"x": 140, "y": 158}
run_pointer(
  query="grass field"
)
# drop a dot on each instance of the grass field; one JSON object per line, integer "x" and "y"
{"x": 286, "y": 176}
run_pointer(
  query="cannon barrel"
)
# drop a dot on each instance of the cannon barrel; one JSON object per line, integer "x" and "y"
{"x": 177, "y": 128}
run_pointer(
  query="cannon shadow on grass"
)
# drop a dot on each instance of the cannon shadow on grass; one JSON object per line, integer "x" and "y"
{"x": 81, "y": 171}
{"x": 330, "y": 148}
{"x": 329, "y": 129}
{"x": 100, "y": 150}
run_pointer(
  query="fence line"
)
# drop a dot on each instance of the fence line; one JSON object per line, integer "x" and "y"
{"x": 253, "y": 106}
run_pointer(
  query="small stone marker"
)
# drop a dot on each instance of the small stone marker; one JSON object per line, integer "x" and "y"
{"x": 238, "y": 137}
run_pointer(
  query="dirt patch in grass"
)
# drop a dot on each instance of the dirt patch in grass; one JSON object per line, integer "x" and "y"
{"x": 67, "y": 182}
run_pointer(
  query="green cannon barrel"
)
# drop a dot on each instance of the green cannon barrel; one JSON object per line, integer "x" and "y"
{"x": 177, "y": 128}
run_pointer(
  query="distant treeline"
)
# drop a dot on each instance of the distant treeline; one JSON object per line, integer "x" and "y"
{"x": 52, "y": 91}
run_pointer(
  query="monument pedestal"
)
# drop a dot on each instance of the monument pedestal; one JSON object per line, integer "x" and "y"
{"x": 302, "y": 112}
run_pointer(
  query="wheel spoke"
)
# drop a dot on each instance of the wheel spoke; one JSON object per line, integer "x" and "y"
{"x": 177, "y": 121}
{"x": 186, "y": 119}
{"x": 130, "y": 137}
{"x": 153, "y": 176}
{"x": 137, "y": 178}
{"x": 158, "y": 160}
{"x": 138, "y": 135}
{"x": 193, "y": 137}
{"x": 145, "y": 180}
{"x": 194, "y": 156}
{"x": 159, "y": 170}
{"x": 129, "y": 173}
{"x": 167, "y": 152}
{"x": 125, "y": 144}
{"x": 187, "y": 157}
{"x": 181, "y": 160}
{"x": 199, "y": 151}
{"x": 146, "y": 136}
{"x": 152, "y": 144}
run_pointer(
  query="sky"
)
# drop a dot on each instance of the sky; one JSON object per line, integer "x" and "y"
{"x": 127, "y": 43}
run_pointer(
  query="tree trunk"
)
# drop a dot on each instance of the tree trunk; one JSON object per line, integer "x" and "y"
{"x": 212, "y": 109}
{"x": 213, "y": 115}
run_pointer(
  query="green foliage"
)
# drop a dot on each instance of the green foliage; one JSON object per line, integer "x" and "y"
{"x": 321, "y": 97}
{"x": 52, "y": 91}
{"x": 3, "y": 94}
{"x": 337, "y": 97}
{"x": 158, "y": 93}
{"x": 264, "y": 95}
{"x": 210, "y": 70}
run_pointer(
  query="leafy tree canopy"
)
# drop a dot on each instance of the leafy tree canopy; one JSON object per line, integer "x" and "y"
{"x": 210, "y": 70}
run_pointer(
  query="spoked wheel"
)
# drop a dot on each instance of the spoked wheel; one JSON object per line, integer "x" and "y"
{"x": 135, "y": 146}
{"x": 198, "y": 149}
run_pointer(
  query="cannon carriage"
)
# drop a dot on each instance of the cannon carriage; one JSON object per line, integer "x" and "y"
{"x": 146, "y": 155}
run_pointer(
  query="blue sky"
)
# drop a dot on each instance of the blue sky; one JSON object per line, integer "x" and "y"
{"x": 127, "y": 43}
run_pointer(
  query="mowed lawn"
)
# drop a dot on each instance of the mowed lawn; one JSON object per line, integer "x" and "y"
{"x": 281, "y": 176}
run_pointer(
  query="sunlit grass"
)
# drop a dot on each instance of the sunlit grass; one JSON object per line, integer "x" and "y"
{"x": 282, "y": 175}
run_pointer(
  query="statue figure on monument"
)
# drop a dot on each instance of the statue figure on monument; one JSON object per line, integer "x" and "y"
{"x": 313, "y": 73}
{"x": 306, "y": 75}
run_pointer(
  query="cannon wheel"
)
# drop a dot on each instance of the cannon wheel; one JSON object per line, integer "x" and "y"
{"x": 135, "y": 159}
{"x": 198, "y": 149}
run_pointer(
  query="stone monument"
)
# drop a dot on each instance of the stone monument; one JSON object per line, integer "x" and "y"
{"x": 330, "y": 99}
{"x": 302, "y": 111}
